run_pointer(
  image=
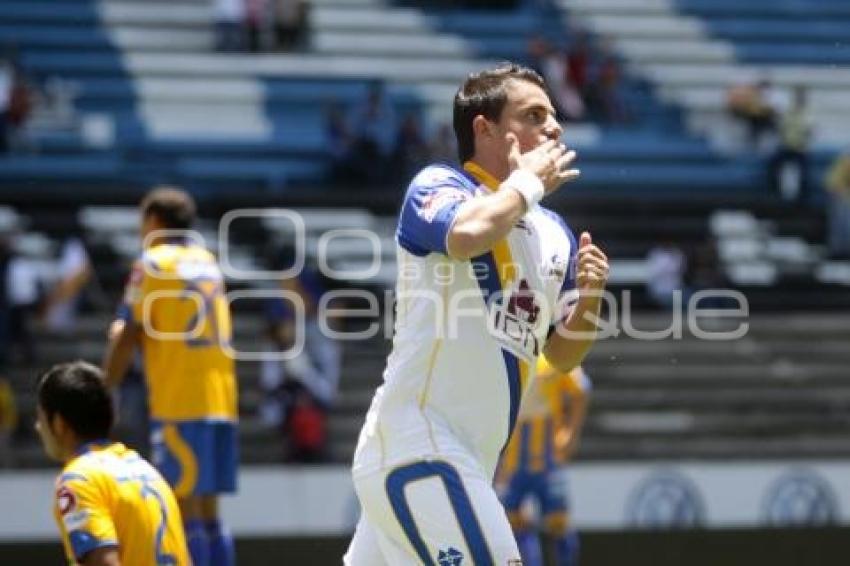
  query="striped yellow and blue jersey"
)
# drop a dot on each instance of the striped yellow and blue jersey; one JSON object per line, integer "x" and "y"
{"x": 532, "y": 447}
{"x": 108, "y": 495}
{"x": 176, "y": 296}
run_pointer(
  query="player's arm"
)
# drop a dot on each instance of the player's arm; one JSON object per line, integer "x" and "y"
{"x": 123, "y": 335}
{"x": 123, "y": 340}
{"x": 572, "y": 421}
{"x": 105, "y": 556}
{"x": 483, "y": 221}
{"x": 573, "y": 336}
{"x": 87, "y": 529}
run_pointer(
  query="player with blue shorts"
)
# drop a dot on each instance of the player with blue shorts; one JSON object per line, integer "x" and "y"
{"x": 175, "y": 309}
{"x": 532, "y": 467}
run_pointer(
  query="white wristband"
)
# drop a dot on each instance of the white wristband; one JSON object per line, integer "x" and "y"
{"x": 527, "y": 184}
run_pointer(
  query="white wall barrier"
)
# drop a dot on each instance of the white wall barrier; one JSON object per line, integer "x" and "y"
{"x": 289, "y": 501}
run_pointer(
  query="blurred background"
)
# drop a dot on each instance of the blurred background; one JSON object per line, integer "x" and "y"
{"x": 714, "y": 143}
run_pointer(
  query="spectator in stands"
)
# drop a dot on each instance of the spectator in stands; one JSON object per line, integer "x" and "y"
{"x": 373, "y": 136}
{"x": 290, "y": 23}
{"x": 257, "y": 23}
{"x": 8, "y": 422}
{"x": 546, "y": 60}
{"x": 789, "y": 166}
{"x": 230, "y": 18}
{"x": 411, "y": 149}
{"x": 339, "y": 142}
{"x": 704, "y": 272}
{"x": 838, "y": 185}
{"x": 578, "y": 65}
{"x": 443, "y": 146}
{"x": 607, "y": 87}
{"x": 666, "y": 266}
{"x": 15, "y": 98}
{"x": 24, "y": 294}
{"x": 7, "y": 84}
{"x": 75, "y": 272}
{"x": 300, "y": 391}
{"x": 753, "y": 104}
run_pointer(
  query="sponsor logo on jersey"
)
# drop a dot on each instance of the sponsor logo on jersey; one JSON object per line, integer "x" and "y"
{"x": 558, "y": 267}
{"x": 513, "y": 322}
{"x": 66, "y": 501}
{"x": 438, "y": 200}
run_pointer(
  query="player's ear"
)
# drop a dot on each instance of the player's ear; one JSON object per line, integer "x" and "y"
{"x": 481, "y": 127}
{"x": 58, "y": 426}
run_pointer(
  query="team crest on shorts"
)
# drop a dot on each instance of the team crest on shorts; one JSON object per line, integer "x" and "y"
{"x": 450, "y": 557}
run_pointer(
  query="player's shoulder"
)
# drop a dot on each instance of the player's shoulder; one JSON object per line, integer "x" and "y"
{"x": 156, "y": 259}
{"x": 167, "y": 257}
{"x": 438, "y": 175}
{"x": 80, "y": 473}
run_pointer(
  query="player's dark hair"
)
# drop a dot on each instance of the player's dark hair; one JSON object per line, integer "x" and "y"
{"x": 485, "y": 94}
{"x": 77, "y": 391}
{"x": 173, "y": 207}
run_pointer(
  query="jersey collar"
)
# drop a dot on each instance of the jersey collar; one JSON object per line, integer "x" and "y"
{"x": 487, "y": 180}
{"x": 92, "y": 445}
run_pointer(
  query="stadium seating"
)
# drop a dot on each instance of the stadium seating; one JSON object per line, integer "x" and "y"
{"x": 693, "y": 50}
{"x": 145, "y": 82}
{"x": 148, "y": 70}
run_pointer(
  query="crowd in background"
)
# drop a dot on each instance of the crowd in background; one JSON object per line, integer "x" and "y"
{"x": 781, "y": 131}
{"x": 584, "y": 78}
{"x": 34, "y": 295}
{"x": 15, "y": 99}
{"x": 369, "y": 145}
{"x": 260, "y": 25}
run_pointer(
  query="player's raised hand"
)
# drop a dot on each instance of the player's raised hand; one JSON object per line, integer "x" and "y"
{"x": 591, "y": 265}
{"x": 550, "y": 162}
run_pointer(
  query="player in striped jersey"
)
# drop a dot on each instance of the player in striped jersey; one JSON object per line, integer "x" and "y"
{"x": 176, "y": 311}
{"x": 111, "y": 506}
{"x": 532, "y": 466}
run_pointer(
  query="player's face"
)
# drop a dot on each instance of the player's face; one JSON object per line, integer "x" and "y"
{"x": 48, "y": 438}
{"x": 529, "y": 115}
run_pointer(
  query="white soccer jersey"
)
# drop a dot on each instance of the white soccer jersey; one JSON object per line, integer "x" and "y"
{"x": 467, "y": 333}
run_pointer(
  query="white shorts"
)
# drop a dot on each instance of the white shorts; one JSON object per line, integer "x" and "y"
{"x": 430, "y": 512}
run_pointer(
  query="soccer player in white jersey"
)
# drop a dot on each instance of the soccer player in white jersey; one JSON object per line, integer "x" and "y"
{"x": 488, "y": 281}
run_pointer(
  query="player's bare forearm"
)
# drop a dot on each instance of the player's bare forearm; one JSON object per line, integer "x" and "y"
{"x": 574, "y": 422}
{"x": 572, "y": 339}
{"x": 119, "y": 353}
{"x": 483, "y": 221}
